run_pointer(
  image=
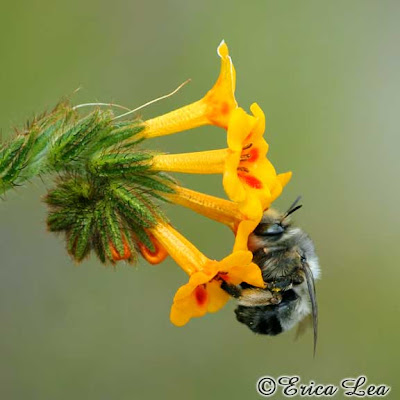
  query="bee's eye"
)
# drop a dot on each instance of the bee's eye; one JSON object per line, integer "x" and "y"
{"x": 269, "y": 230}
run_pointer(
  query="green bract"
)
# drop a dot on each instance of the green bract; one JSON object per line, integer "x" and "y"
{"x": 105, "y": 191}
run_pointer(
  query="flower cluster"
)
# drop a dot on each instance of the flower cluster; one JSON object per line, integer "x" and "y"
{"x": 250, "y": 182}
{"x": 105, "y": 199}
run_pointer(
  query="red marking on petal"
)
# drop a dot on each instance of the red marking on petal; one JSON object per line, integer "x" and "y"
{"x": 224, "y": 276}
{"x": 200, "y": 293}
{"x": 250, "y": 156}
{"x": 224, "y": 108}
{"x": 251, "y": 181}
{"x": 253, "y": 154}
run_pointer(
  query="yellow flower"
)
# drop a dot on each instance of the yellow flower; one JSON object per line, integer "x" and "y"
{"x": 213, "y": 109}
{"x": 203, "y": 293}
{"x": 220, "y": 210}
{"x": 242, "y": 233}
{"x": 249, "y": 178}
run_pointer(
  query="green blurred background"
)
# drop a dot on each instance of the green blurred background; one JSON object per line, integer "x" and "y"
{"x": 326, "y": 74}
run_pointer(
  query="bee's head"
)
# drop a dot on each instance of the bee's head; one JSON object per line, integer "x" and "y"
{"x": 273, "y": 225}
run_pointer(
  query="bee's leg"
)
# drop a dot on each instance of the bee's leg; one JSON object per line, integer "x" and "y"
{"x": 252, "y": 296}
{"x": 286, "y": 283}
{"x": 232, "y": 290}
{"x": 280, "y": 284}
{"x": 298, "y": 277}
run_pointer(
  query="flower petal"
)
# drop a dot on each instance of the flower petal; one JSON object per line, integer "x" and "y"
{"x": 196, "y": 279}
{"x": 185, "y": 309}
{"x": 243, "y": 232}
{"x": 234, "y": 259}
{"x": 217, "y": 297}
{"x": 220, "y": 99}
{"x": 252, "y": 206}
{"x": 231, "y": 182}
{"x": 240, "y": 125}
{"x": 285, "y": 178}
{"x": 259, "y": 127}
{"x": 213, "y": 109}
{"x": 249, "y": 273}
{"x": 239, "y": 268}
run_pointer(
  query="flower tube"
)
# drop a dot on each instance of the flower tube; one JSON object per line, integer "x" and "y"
{"x": 213, "y": 109}
{"x": 203, "y": 292}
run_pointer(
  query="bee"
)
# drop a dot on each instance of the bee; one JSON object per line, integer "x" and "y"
{"x": 289, "y": 266}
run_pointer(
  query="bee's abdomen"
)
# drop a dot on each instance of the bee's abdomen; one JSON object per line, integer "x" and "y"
{"x": 261, "y": 319}
{"x": 267, "y": 320}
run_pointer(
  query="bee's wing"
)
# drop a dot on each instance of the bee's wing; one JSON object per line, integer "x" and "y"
{"x": 302, "y": 326}
{"x": 313, "y": 299}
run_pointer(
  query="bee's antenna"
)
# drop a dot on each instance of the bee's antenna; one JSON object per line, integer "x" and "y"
{"x": 313, "y": 299}
{"x": 292, "y": 208}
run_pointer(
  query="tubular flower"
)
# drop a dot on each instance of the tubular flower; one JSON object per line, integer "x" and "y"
{"x": 153, "y": 256}
{"x": 116, "y": 255}
{"x": 220, "y": 210}
{"x": 213, "y": 109}
{"x": 249, "y": 178}
{"x": 203, "y": 292}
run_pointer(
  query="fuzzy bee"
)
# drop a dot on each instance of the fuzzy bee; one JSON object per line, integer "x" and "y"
{"x": 289, "y": 266}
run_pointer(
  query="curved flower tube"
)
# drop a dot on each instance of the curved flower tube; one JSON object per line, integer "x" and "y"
{"x": 203, "y": 293}
{"x": 115, "y": 255}
{"x": 220, "y": 210}
{"x": 213, "y": 109}
{"x": 156, "y": 256}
